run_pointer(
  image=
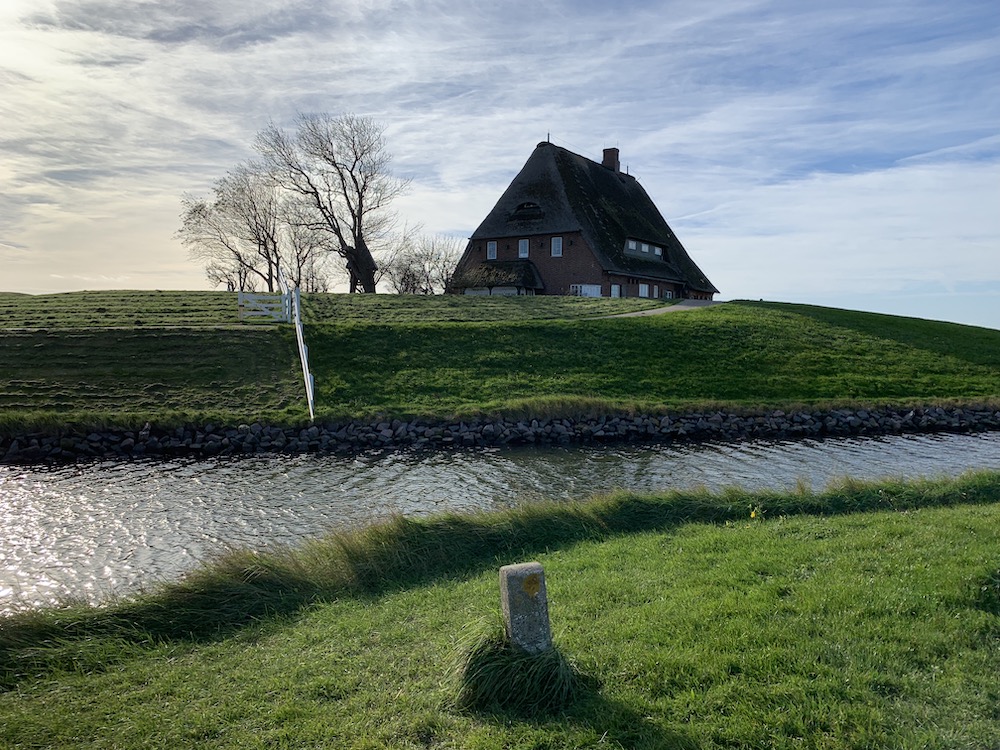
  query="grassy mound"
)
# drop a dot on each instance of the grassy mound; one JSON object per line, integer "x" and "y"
{"x": 494, "y": 676}
{"x": 460, "y": 357}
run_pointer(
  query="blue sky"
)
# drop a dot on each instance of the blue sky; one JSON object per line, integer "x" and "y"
{"x": 840, "y": 154}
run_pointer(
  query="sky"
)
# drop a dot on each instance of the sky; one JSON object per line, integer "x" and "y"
{"x": 843, "y": 154}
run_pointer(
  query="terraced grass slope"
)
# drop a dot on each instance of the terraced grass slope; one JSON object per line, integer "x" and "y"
{"x": 185, "y": 356}
{"x": 112, "y": 309}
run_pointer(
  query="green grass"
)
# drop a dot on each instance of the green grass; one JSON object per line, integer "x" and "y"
{"x": 442, "y": 357}
{"x": 737, "y": 354}
{"x": 866, "y": 615}
{"x": 391, "y": 308}
{"x": 157, "y": 309}
{"x": 114, "y": 309}
{"x": 493, "y": 675}
{"x": 125, "y": 377}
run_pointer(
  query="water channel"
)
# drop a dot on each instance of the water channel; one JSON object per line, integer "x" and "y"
{"x": 90, "y": 530}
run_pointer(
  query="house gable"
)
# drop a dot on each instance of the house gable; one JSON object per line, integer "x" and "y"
{"x": 559, "y": 193}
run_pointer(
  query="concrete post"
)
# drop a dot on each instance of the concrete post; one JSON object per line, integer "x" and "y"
{"x": 525, "y": 606}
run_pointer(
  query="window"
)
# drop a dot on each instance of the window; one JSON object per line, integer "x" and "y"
{"x": 656, "y": 292}
{"x": 658, "y": 250}
{"x": 669, "y": 294}
{"x": 616, "y": 290}
{"x": 643, "y": 290}
{"x": 557, "y": 247}
{"x": 491, "y": 250}
{"x": 527, "y": 211}
{"x": 522, "y": 248}
{"x": 585, "y": 290}
{"x": 644, "y": 247}
{"x": 632, "y": 245}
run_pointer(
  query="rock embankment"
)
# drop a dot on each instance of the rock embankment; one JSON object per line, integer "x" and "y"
{"x": 352, "y": 437}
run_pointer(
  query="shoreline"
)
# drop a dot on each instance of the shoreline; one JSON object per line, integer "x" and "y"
{"x": 355, "y": 436}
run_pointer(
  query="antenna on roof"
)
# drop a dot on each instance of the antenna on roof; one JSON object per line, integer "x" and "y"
{"x": 548, "y": 137}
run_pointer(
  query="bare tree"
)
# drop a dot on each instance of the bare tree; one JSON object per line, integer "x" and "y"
{"x": 339, "y": 167}
{"x": 307, "y": 260}
{"x": 248, "y": 229}
{"x": 442, "y": 253}
{"x": 238, "y": 231}
{"x": 425, "y": 266}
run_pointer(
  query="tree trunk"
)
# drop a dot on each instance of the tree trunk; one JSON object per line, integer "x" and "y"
{"x": 362, "y": 268}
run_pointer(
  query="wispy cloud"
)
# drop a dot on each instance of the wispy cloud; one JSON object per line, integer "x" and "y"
{"x": 221, "y": 24}
{"x": 787, "y": 142}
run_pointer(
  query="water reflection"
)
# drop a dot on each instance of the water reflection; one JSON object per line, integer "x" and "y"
{"x": 89, "y": 530}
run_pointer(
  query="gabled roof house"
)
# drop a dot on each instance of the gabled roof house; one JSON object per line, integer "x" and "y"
{"x": 569, "y": 225}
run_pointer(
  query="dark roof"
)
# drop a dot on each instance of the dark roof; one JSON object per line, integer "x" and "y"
{"x": 559, "y": 192}
{"x": 521, "y": 274}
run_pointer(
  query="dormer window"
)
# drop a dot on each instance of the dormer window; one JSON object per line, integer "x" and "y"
{"x": 526, "y": 211}
{"x": 637, "y": 247}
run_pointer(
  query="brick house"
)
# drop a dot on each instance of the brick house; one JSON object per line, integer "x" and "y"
{"x": 568, "y": 225}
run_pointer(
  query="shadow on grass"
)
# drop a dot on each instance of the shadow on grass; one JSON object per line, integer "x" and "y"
{"x": 244, "y": 588}
{"x": 613, "y": 723}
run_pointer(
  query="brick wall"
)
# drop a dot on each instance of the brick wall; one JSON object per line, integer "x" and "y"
{"x": 578, "y": 265}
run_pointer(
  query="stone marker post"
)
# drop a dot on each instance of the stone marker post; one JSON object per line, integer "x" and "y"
{"x": 525, "y": 606}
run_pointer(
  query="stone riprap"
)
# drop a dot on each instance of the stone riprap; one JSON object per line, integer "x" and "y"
{"x": 357, "y": 436}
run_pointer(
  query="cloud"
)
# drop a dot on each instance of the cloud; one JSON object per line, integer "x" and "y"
{"x": 223, "y": 25}
{"x": 876, "y": 233}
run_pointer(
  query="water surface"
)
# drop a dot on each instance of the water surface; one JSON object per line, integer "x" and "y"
{"x": 92, "y": 529}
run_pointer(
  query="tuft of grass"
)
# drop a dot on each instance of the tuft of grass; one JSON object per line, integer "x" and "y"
{"x": 492, "y": 675}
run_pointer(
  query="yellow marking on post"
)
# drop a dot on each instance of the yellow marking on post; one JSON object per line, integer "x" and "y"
{"x": 532, "y": 585}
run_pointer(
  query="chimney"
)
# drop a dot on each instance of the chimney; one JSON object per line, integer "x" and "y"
{"x": 611, "y": 159}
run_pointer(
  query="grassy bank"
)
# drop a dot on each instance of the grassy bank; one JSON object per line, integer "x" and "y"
{"x": 865, "y": 615}
{"x": 182, "y": 358}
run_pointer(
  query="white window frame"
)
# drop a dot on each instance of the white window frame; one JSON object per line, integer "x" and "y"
{"x": 644, "y": 290}
{"x": 616, "y": 290}
{"x": 522, "y": 248}
{"x": 557, "y": 247}
{"x": 657, "y": 250}
{"x": 633, "y": 245}
{"x": 491, "y": 250}
{"x": 586, "y": 290}
{"x": 644, "y": 247}
{"x": 669, "y": 294}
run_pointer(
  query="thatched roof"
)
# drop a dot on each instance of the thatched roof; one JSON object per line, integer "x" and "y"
{"x": 558, "y": 192}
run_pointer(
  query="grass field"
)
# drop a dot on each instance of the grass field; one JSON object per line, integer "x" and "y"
{"x": 863, "y": 616}
{"x": 184, "y": 358}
